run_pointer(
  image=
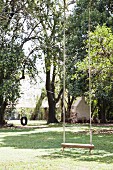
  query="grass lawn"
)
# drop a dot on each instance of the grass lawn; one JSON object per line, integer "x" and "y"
{"x": 38, "y": 147}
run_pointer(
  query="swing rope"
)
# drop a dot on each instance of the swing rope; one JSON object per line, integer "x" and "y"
{"x": 64, "y": 71}
{"x": 90, "y": 146}
{"x": 89, "y": 49}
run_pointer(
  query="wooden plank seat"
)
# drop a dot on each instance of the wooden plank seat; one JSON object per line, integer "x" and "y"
{"x": 77, "y": 145}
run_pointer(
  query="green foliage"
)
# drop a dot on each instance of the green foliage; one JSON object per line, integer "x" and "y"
{"x": 10, "y": 66}
{"x": 101, "y": 54}
{"x": 13, "y": 61}
{"x": 38, "y": 23}
{"x": 101, "y": 66}
{"x": 77, "y": 65}
{"x": 77, "y": 33}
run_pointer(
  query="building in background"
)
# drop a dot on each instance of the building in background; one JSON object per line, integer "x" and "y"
{"x": 80, "y": 111}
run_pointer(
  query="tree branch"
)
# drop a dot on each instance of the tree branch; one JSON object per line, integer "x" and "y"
{"x": 59, "y": 95}
{"x": 72, "y": 2}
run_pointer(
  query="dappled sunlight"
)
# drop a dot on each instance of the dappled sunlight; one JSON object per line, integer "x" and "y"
{"x": 32, "y": 140}
{"x": 84, "y": 155}
{"x": 48, "y": 158}
{"x": 44, "y": 145}
{"x": 98, "y": 157}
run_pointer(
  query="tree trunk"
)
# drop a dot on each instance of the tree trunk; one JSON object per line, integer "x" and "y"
{"x": 102, "y": 111}
{"x": 70, "y": 102}
{"x": 2, "y": 121}
{"x": 2, "y": 112}
{"x": 34, "y": 116}
{"x": 52, "y": 112}
{"x": 51, "y": 100}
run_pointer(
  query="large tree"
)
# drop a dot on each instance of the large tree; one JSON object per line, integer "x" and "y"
{"x": 13, "y": 62}
{"x": 77, "y": 34}
{"x": 40, "y": 24}
{"x": 49, "y": 46}
{"x": 101, "y": 70}
{"x": 11, "y": 57}
{"x": 52, "y": 32}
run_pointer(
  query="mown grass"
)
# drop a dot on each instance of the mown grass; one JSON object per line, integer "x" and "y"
{"x": 40, "y": 148}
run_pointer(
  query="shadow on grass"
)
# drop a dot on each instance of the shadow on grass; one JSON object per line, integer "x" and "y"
{"x": 41, "y": 140}
{"x": 81, "y": 155}
{"x": 32, "y": 139}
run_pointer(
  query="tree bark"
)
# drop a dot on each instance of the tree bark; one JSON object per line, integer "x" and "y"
{"x": 102, "y": 110}
{"x": 70, "y": 102}
{"x": 34, "y": 116}
{"x": 51, "y": 100}
{"x": 3, "y": 103}
{"x": 2, "y": 112}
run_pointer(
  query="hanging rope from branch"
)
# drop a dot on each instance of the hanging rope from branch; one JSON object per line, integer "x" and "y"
{"x": 76, "y": 145}
{"x": 64, "y": 70}
{"x": 90, "y": 95}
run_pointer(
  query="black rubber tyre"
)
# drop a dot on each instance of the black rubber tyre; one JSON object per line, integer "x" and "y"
{"x": 23, "y": 120}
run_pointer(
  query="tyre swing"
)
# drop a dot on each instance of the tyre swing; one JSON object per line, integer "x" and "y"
{"x": 64, "y": 145}
{"x": 23, "y": 120}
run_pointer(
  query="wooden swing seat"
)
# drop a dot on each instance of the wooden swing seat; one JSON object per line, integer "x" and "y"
{"x": 77, "y": 145}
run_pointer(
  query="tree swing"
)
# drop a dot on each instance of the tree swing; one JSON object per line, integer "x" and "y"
{"x": 64, "y": 145}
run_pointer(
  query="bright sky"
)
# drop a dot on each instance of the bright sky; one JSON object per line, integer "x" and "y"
{"x": 29, "y": 92}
